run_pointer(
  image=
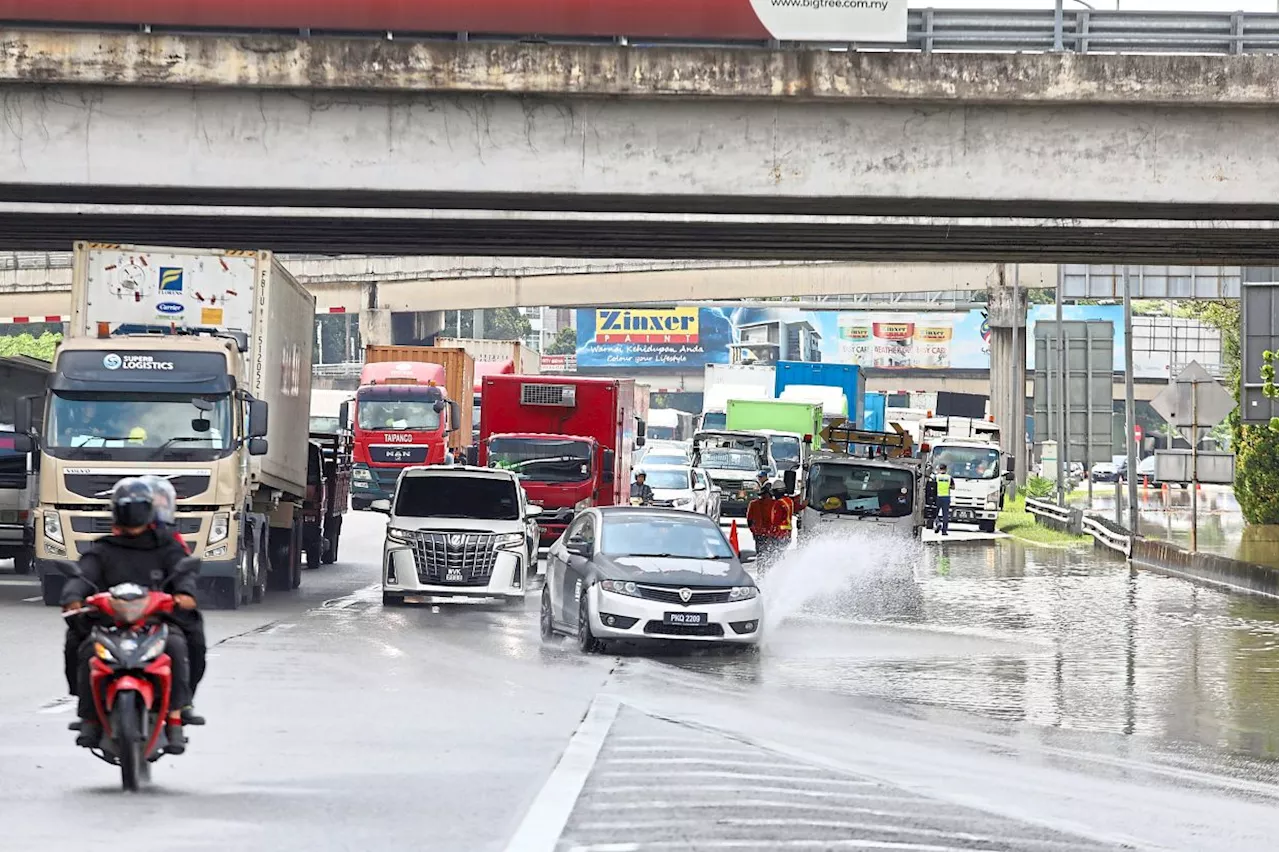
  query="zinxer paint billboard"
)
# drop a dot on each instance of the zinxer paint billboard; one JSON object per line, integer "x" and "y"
{"x": 688, "y": 338}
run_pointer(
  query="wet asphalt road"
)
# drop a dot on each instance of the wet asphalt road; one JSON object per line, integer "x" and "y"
{"x": 975, "y": 696}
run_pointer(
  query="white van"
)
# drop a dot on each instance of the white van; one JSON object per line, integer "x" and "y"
{"x": 458, "y": 531}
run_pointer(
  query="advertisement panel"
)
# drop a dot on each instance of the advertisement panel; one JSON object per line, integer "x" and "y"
{"x": 688, "y": 338}
{"x": 785, "y": 20}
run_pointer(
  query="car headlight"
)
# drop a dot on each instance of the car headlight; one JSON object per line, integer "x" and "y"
{"x": 397, "y": 534}
{"x": 53, "y": 527}
{"x": 682, "y": 502}
{"x": 743, "y": 593}
{"x": 511, "y": 541}
{"x": 361, "y": 473}
{"x": 220, "y": 527}
{"x": 618, "y": 587}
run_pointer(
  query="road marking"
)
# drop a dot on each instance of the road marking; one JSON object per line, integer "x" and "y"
{"x": 685, "y": 750}
{"x": 843, "y": 843}
{"x": 545, "y": 820}
{"x": 19, "y": 581}
{"x": 735, "y": 788}
{"x": 686, "y": 761}
{"x": 700, "y": 773}
{"x": 730, "y": 804}
{"x": 58, "y": 705}
{"x": 33, "y": 600}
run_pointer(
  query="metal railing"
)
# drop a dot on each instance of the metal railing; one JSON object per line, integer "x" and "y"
{"x": 1063, "y": 518}
{"x": 1104, "y": 535}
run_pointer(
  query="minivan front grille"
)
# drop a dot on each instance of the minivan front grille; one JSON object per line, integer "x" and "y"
{"x": 454, "y": 558}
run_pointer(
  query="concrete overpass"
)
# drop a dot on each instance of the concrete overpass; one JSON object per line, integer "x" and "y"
{"x": 361, "y": 145}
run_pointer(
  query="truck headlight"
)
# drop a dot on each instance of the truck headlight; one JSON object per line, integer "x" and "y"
{"x": 220, "y": 527}
{"x": 53, "y": 527}
{"x": 993, "y": 501}
{"x": 511, "y": 541}
{"x": 361, "y": 473}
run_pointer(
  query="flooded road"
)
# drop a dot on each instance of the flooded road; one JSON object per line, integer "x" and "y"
{"x": 1058, "y": 638}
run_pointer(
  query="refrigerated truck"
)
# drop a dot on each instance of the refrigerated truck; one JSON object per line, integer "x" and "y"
{"x": 194, "y": 365}
{"x": 569, "y": 440}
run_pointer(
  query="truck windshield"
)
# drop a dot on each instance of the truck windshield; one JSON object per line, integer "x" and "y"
{"x": 483, "y": 498}
{"x": 968, "y": 462}
{"x": 714, "y": 420}
{"x": 660, "y": 433}
{"x": 730, "y": 460}
{"x": 853, "y": 489}
{"x": 325, "y": 425}
{"x": 542, "y": 459}
{"x": 785, "y": 450}
{"x": 138, "y": 421}
{"x": 417, "y": 414}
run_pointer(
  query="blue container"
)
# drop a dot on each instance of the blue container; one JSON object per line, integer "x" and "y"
{"x": 847, "y": 377}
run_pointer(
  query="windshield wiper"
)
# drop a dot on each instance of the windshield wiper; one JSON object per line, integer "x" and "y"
{"x": 160, "y": 449}
{"x": 103, "y": 439}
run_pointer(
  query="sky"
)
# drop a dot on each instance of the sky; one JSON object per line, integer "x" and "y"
{"x": 1110, "y": 5}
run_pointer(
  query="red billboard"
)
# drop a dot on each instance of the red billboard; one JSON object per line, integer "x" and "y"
{"x": 750, "y": 20}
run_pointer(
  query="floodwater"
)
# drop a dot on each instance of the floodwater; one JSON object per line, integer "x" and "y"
{"x": 1061, "y": 638}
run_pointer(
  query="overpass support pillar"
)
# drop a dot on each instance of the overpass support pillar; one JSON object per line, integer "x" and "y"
{"x": 1007, "y": 319}
{"x": 375, "y": 320}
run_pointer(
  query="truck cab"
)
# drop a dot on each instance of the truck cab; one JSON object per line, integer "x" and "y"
{"x": 978, "y": 480}
{"x": 562, "y": 474}
{"x": 882, "y": 493}
{"x": 733, "y": 459}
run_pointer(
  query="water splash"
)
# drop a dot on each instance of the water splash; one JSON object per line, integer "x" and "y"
{"x": 851, "y": 574}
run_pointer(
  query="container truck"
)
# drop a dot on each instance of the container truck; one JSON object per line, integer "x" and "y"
{"x": 668, "y": 424}
{"x": 22, "y": 378}
{"x": 723, "y": 382}
{"x": 493, "y": 358}
{"x": 408, "y": 412}
{"x": 874, "y": 408}
{"x": 805, "y": 381}
{"x": 172, "y": 361}
{"x": 569, "y": 439}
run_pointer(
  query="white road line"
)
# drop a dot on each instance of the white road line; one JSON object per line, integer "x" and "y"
{"x": 33, "y": 600}
{"x": 735, "y": 788}
{"x": 728, "y": 752}
{"x": 730, "y": 804}
{"x": 697, "y": 761}
{"x": 747, "y": 776}
{"x": 607, "y": 847}
{"x": 545, "y": 820}
{"x": 788, "y": 844}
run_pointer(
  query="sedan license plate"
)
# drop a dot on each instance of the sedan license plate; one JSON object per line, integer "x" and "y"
{"x": 685, "y": 618}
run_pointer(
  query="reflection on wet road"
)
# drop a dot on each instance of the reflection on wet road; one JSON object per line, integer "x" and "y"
{"x": 1061, "y": 638}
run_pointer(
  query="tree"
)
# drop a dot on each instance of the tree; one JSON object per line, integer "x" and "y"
{"x": 506, "y": 324}
{"x": 565, "y": 343}
{"x": 35, "y": 347}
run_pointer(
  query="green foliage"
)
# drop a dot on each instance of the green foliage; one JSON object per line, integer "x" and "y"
{"x": 565, "y": 343}
{"x": 499, "y": 324}
{"x": 1038, "y": 488}
{"x": 1257, "y": 461}
{"x": 35, "y": 347}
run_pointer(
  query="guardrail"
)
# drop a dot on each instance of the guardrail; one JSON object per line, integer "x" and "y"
{"x": 1062, "y": 518}
{"x": 1104, "y": 535}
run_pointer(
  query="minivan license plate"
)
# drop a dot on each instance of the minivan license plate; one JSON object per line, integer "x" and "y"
{"x": 686, "y": 618}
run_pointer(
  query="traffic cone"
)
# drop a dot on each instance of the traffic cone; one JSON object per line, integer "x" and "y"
{"x": 733, "y": 537}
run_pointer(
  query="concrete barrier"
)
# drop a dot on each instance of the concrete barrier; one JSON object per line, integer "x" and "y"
{"x": 1208, "y": 567}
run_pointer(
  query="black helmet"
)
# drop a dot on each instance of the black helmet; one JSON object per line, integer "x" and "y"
{"x": 132, "y": 503}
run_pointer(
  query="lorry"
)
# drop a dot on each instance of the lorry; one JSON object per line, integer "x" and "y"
{"x": 329, "y": 459}
{"x": 874, "y": 409}
{"x": 669, "y": 424}
{"x": 569, "y": 440}
{"x": 723, "y": 382}
{"x": 493, "y": 358}
{"x": 980, "y": 476}
{"x": 793, "y": 427}
{"x": 326, "y": 405}
{"x": 806, "y": 381}
{"x": 408, "y": 412}
{"x": 173, "y": 360}
{"x": 22, "y": 377}
{"x": 847, "y": 492}
{"x": 733, "y": 459}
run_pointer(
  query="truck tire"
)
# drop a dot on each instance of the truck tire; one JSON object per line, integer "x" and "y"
{"x": 261, "y": 571}
{"x": 295, "y": 555}
{"x": 51, "y": 589}
{"x": 280, "y": 576}
{"x": 987, "y": 526}
{"x": 332, "y": 534}
{"x": 313, "y": 541}
{"x": 360, "y": 504}
{"x": 22, "y": 563}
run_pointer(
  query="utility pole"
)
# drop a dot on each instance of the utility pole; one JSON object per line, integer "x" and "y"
{"x": 1195, "y": 452}
{"x": 1130, "y": 413}
{"x": 1063, "y": 421}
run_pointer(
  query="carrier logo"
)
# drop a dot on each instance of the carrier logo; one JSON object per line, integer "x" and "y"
{"x": 672, "y": 325}
{"x": 170, "y": 279}
{"x": 111, "y": 361}
{"x": 170, "y": 308}
{"x": 393, "y": 438}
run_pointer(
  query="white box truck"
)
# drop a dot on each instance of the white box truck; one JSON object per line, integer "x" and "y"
{"x": 195, "y": 365}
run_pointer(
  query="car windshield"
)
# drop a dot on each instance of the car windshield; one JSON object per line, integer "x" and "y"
{"x": 730, "y": 460}
{"x": 140, "y": 420}
{"x": 542, "y": 459}
{"x": 785, "y": 450}
{"x": 392, "y": 413}
{"x": 968, "y": 462}
{"x": 661, "y": 433}
{"x": 486, "y": 498}
{"x": 662, "y": 535}
{"x": 854, "y": 489}
{"x": 668, "y": 479}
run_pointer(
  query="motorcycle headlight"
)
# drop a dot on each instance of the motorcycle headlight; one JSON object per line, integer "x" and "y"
{"x": 220, "y": 527}
{"x": 154, "y": 648}
{"x": 618, "y": 587}
{"x": 743, "y": 593}
{"x": 361, "y": 473}
{"x": 53, "y": 527}
{"x": 103, "y": 652}
{"x": 511, "y": 541}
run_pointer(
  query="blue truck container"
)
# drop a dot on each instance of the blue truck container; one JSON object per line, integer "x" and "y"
{"x": 847, "y": 377}
{"x": 874, "y": 405}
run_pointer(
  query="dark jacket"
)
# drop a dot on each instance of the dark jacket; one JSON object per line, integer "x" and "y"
{"x": 147, "y": 560}
{"x": 642, "y": 490}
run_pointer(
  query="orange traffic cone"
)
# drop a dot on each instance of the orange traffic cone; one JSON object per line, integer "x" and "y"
{"x": 733, "y": 537}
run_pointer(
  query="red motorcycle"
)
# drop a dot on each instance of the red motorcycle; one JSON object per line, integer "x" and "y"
{"x": 130, "y": 673}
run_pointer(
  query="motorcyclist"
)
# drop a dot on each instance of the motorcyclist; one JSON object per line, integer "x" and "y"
{"x": 640, "y": 491}
{"x": 190, "y": 620}
{"x": 134, "y": 553}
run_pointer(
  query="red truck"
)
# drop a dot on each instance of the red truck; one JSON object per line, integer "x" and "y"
{"x": 406, "y": 414}
{"x": 570, "y": 440}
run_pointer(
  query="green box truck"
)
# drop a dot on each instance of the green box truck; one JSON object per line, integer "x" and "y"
{"x": 787, "y": 424}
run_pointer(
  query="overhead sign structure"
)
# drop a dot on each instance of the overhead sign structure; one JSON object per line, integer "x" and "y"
{"x": 1207, "y": 467}
{"x": 1194, "y": 401}
{"x": 1087, "y": 390}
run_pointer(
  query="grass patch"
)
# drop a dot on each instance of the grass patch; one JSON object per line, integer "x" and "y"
{"x": 1015, "y": 520}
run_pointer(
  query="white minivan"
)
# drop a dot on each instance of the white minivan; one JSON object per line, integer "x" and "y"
{"x": 458, "y": 531}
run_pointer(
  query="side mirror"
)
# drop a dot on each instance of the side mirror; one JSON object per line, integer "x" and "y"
{"x": 1009, "y": 464}
{"x": 455, "y": 416}
{"x": 438, "y": 407}
{"x": 789, "y": 480}
{"x": 532, "y": 512}
{"x": 746, "y": 557}
{"x": 344, "y": 416}
{"x": 699, "y": 486}
{"x": 22, "y": 416}
{"x": 578, "y": 547}
{"x": 257, "y": 419}
{"x": 608, "y": 458}
{"x": 199, "y": 425}
{"x": 17, "y": 441}
{"x": 383, "y": 506}
{"x": 257, "y": 446}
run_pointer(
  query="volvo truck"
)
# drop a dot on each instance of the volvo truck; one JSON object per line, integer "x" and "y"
{"x": 194, "y": 365}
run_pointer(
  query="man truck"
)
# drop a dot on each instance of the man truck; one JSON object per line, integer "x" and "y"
{"x": 172, "y": 361}
{"x": 407, "y": 412}
{"x": 568, "y": 439}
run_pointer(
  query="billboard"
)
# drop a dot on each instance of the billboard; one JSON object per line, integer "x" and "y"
{"x": 689, "y": 338}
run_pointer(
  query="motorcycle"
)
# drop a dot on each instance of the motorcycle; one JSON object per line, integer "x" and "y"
{"x": 130, "y": 672}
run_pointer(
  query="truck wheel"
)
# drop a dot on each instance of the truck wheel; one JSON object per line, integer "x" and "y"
{"x": 51, "y": 589}
{"x": 332, "y": 533}
{"x": 360, "y": 504}
{"x": 280, "y": 575}
{"x": 295, "y": 556}
{"x": 987, "y": 526}
{"x": 231, "y": 592}
{"x": 22, "y": 563}
{"x": 261, "y": 573}
{"x": 313, "y": 556}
